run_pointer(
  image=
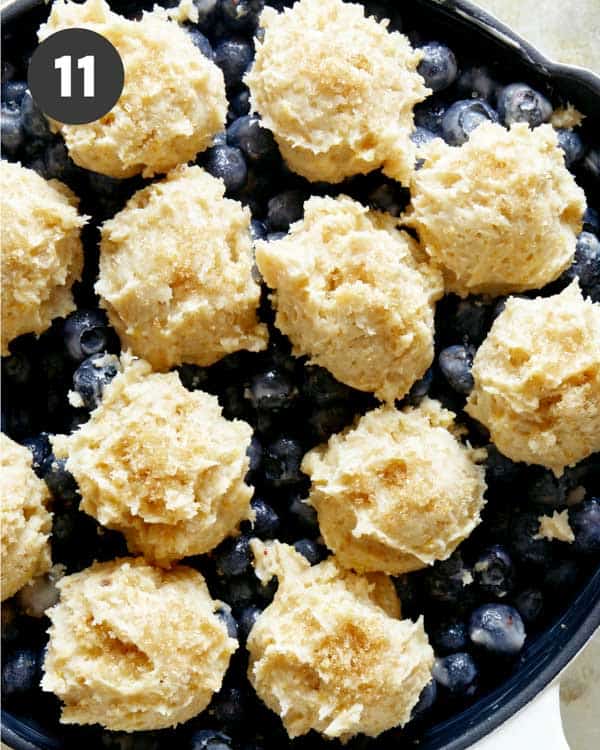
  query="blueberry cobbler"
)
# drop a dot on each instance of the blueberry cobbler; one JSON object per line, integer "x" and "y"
{"x": 300, "y": 378}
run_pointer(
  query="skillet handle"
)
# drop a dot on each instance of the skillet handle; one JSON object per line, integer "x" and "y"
{"x": 537, "y": 726}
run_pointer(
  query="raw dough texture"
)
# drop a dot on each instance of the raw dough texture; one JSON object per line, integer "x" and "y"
{"x": 537, "y": 380}
{"x": 329, "y": 653}
{"x": 161, "y": 464}
{"x": 398, "y": 490}
{"x": 173, "y": 101}
{"x": 134, "y": 647}
{"x": 41, "y": 251}
{"x": 26, "y": 523}
{"x": 499, "y": 214}
{"x": 176, "y": 273}
{"x": 337, "y": 90}
{"x": 355, "y": 294}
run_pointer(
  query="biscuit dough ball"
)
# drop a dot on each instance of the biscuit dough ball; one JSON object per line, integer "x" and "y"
{"x": 173, "y": 100}
{"x": 397, "y": 491}
{"x": 329, "y": 653}
{"x": 26, "y": 523}
{"x": 499, "y": 214}
{"x": 41, "y": 251}
{"x": 537, "y": 380}
{"x": 160, "y": 464}
{"x": 134, "y": 647}
{"x": 355, "y": 294}
{"x": 337, "y": 90}
{"x": 176, "y": 273}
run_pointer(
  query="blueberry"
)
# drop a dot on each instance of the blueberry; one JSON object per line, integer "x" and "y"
{"x": 193, "y": 377}
{"x": 546, "y": 489}
{"x": 591, "y": 163}
{"x": 323, "y": 422}
{"x": 16, "y": 368}
{"x": 239, "y": 104}
{"x": 311, "y": 550}
{"x": 21, "y": 672}
{"x": 200, "y": 41}
{"x": 390, "y": 197}
{"x": 438, "y": 66}
{"x": 281, "y": 461}
{"x": 457, "y": 673}
{"x": 499, "y": 468}
{"x": 34, "y": 121}
{"x": 304, "y": 517}
{"x": 92, "y": 376}
{"x": 455, "y": 363}
{"x": 284, "y": 209}
{"x": 258, "y": 230}
{"x": 585, "y": 522}
{"x": 420, "y": 389}
{"x": 430, "y": 114}
{"x": 520, "y": 103}
{"x": 224, "y": 614}
{"x": 426, "y": 700}
{"x": 228, "y": 164}
{"x": 10, "y": 622}
{"x": 85, "y": 333}
{"x": 266, "y": 523}
{"x": 238, "y": 592}
{"x": 462, "y": 117}
{"x": 591, "y": 220}
{"x": 247, "y": 618}
{"x": 477, "y": 83}
{"x": 257, "y": 143}
{"x": 449, "y": 636}
{"x": 233, "y": 556}
{"x": 528, "y": 549}
{"x": 40, "y": 451}
{"x": 497, "y": 628}
{"x": 271, "y": 390}
{"x": 13, "y": 93}
{"x": 241, "y": 15}
{"x": 530, "y": 603}
{"x": 61, "y": 482}
{"x": 209, "y": 739}
{"x": 447, "y": 581}
{"x": 255, "y": 454}
{"x": 421, "y": 137}
{"x": 321, "y": 387}
{"x": 562, "y": 579}
{"x": 471, "y": 320}
{"x": 571, "y": 144}
{"x": 11, "y": 131}
{"x": 586, "y": 265}
{"x": 228, "y": 706}
{"x": 234, "y": 57}
{"x": 494, "y": 571}
{"x": 57, "y": 163}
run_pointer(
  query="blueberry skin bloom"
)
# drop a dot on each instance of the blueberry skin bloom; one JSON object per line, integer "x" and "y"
{"x": 497, "y": 628}
{"x": 585, "y": 522}
{"x": 461, "y": 119}
{"x": 494, "y": 571}
{"x": 572, "y": 146}
{"x": 228, "y": 164}
{"x": 85, "y": 332}
{"x": 92, "y": 376}
{"x": 438, "y": 66}
{"x": 233, "y": 56}
{"x": 520, "y": 103}
{"x": 456, "y": 362}
{"x": 457, "y": 673}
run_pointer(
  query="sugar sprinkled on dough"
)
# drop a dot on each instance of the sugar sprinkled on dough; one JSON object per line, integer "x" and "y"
{"x": 383, "y": 500}
{"x": 355, "y": 294}
{"x": 161, "y": 464}
{"x": 499, "y": 214}
{"x": 337, "y": 90}
{"x": 173, "y": 101}
{"x": 329, "y": 653}
{"x": 25, "y": 522}
{"x": 176, "y": 273}
{"x": 134, "y": 647}
{"x": 537, "y": 380}
{"x": 41, "y": 251}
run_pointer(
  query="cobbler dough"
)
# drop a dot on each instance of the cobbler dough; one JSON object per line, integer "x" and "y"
{"x": 329, "y": 653}
{"x": 41, "y": 251}
{"x": 537, "y": 380}
{"x": 556, "y": 527}
{"x": 337, "y": 90}
{"x": 161, "y": 464}
{"x": 173, "y": 101}
{"x": 397, "y": 491}
{"x": 176, "y": 273}
{"x": 134, "y": 647}
{"x": 26, "y": 523}
{"x": 499, "y": 214}
{"x": 355, "y": 294}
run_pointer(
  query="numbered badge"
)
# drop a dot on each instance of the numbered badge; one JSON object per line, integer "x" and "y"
{"x": 76, "y": 76}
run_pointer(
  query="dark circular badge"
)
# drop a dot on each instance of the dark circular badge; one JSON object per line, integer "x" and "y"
{"x": 76, "y": 76}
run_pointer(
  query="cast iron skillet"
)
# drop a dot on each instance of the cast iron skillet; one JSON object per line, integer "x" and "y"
{"x": 475, "y": 32}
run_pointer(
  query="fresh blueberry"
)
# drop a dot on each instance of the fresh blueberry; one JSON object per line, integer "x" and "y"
{"x": 591, "y": 220}
{"x": 11, "y": 131}
{"x": 239, "y": 105}
{"x": 497, "y": 628}
{"x": 430, "y": 114}
{"x": 455, "y": 363}
{"x": 438, "y": 66}
{"x": 321, "y": 387}
{"x": 426, "y": 700}
{"x": 421, "y": 137}
{"x": 60, "y": 481}
{"x": 324, "y": 421}
{"x": 224, "y": 614}
{"x": 528, "y": 548}
{"x": 520, "y": 103}
{"x": 228, "y": 706}
{"x": 200, "y": 41}
{"x": 10, "y": 622}
{"x": 591, "y": 163}
{"x": 499, "y": 468}
{"x": 586, "y": 265}
{"x": 494, "y": 571}
{"x": 420, "y": 389}
{"x": 247, "y": 618}
{"x": 34, "y": 121}
{"x": 13, "y": 93}
{"x": 571, "y": 144}
{"x": 447, "y": 581}
{"x": 85, "y": 333}
{"x": 271, "y": 390}
{"x": 530, "y": 603}
{"x": 209, "y": 739}
{"x": 546, "y": 489}
{"x": 16, "y": 368}
{"x": 284, "y": 209}
{"x": 57, "y": 162}
{"x": 258, "y": 230}
{"x": 457, "y": 673}
{"x": 477, "y": 83}
{"x": 255, "y": 454}
{"x": 266, "y": 522}
{"x": 92, "y": 376}
{"x": 281, "y": 462}
{"x": 228, "y": 164}
{"x": 390, "y": 197}
{"x": 233, "y": 557}
{"x": 238, "y": 592}
{"x": 449, "y": 636}
{"x": 40, "y": 451}
{"x": 247, "y": 134}
{"x": 304, "y": 517}
{"x": 21, "y": 672}
{"x": 241, "y": 15}
{"x": 462, "y": 117}
{"x": 471, "y": 320}
{"x": 234, "y": 57}
{"x": 311, "y": 550}
{"x": 585, "y": 522}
